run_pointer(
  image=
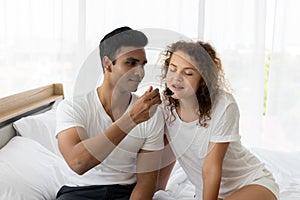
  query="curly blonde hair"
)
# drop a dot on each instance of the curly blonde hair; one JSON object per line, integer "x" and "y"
{"x": 212, "y": 77}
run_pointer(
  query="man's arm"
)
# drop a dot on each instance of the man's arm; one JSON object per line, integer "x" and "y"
{"x": 147, "y": 169}
{"x": 83, "y": 153}
{"x": 168, "y": 160}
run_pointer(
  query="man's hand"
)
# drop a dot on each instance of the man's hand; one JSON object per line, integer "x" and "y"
{"x": 145, "y": 106}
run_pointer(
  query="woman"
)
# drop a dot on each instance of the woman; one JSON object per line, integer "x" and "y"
{"x": 202, "y": 120}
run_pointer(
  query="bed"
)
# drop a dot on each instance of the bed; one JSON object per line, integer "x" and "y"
{"x": 31, "y": 166}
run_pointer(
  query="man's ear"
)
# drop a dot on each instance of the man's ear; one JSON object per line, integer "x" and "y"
{"x": 107, "y": 63}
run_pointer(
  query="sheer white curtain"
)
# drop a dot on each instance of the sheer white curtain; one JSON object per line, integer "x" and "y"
{"x": 237, "y": 30}
{"x": 282, "y": 124}
{"x": 179, "y": 16}
{"x": 39, "y": 43}
{"x": 48, "y": 41}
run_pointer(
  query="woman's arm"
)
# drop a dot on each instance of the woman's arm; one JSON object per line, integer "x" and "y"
{"x": 212, "y": 170}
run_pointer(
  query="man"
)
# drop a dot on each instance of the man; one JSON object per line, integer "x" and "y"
{"x": 109, "y": 136}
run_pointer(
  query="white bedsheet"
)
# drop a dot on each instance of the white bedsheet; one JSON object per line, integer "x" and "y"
{"x": 285, "y": 167}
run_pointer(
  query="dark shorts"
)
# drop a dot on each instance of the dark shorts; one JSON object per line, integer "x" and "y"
{"x": 99, "y": 192}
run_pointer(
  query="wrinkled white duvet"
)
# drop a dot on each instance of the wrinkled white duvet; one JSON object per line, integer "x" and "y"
{"x": 285, "y": 167}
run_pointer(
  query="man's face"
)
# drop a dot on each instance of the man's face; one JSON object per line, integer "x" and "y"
{"x": 128, "y": 70}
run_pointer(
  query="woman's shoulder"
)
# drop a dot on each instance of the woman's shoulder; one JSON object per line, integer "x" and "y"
{"x": 223, "y": 100}
{"x": 224, "y": 97}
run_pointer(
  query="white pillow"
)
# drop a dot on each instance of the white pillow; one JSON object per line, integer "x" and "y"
{"x": 30, "y": 171}
{"x": 41, "y": 128}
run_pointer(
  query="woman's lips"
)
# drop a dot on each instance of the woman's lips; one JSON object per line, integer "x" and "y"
{"x": 177, "y": 87}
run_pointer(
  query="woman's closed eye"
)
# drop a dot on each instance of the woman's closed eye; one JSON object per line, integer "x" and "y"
{"x": 185, "y": 72}
{"x": 188, "y": 72}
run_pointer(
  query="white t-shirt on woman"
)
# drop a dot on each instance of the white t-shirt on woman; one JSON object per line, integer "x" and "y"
{"x": 189, "y": 142}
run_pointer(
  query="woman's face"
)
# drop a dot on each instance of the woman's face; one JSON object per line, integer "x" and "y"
{"x": 183, "y": 76}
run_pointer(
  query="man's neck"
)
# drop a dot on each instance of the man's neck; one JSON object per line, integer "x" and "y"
{"x": 113, "y": 101}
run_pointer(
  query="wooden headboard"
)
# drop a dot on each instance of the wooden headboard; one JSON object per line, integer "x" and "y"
{"x": 26, "y": 103}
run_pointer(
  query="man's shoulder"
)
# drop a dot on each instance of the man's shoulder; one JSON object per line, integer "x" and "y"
{"x": 77, "y": 102}
{"x": 90, "y": 96}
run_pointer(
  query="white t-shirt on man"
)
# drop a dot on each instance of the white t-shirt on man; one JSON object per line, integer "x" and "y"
{"x": 189, "y": 142}
{"x": 119, "y": 167}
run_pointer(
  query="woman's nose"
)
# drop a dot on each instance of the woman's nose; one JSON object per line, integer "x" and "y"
{"x": 178, "y": 76}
